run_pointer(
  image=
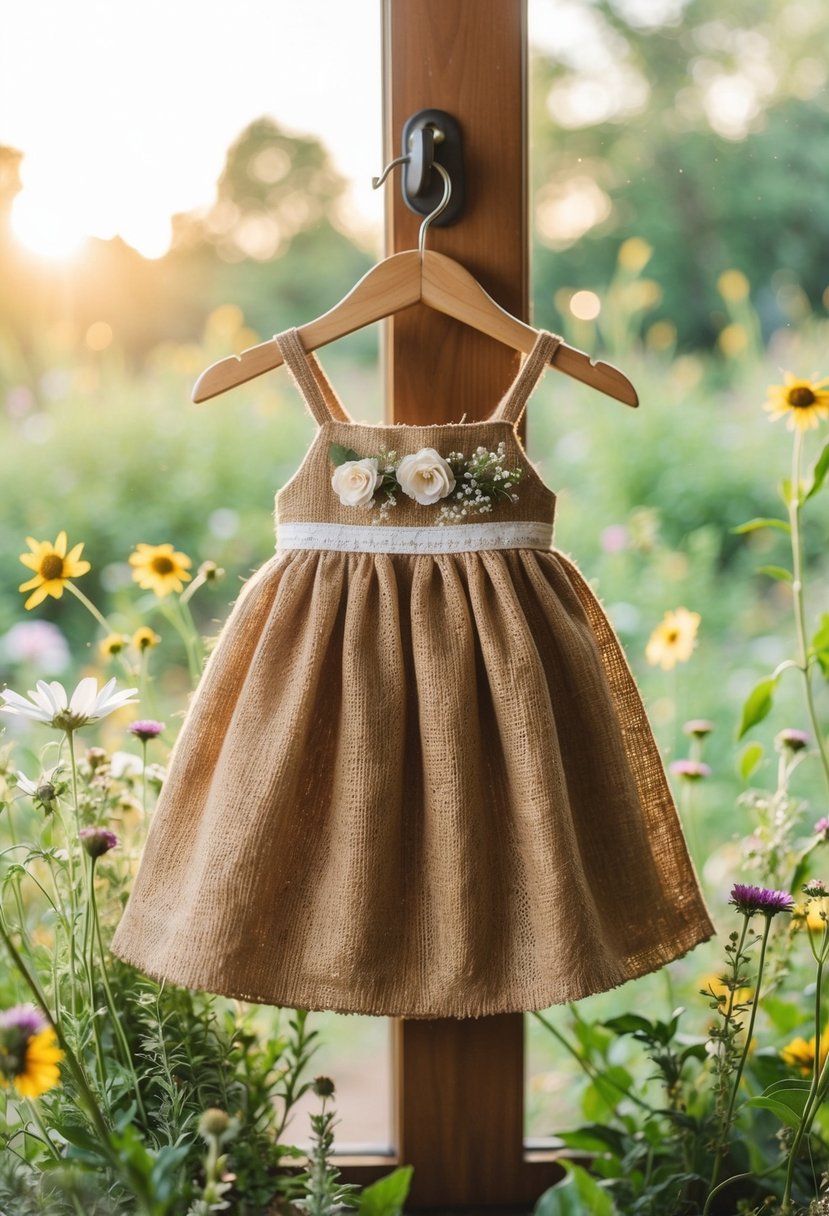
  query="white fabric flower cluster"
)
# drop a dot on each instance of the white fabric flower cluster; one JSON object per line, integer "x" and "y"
{"x": 470, "y": 484}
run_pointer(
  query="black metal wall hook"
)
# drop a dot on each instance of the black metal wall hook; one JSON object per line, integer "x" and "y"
{"x": 431, "y": 141}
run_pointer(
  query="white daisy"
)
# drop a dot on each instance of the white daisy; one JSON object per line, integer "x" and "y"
{"x": 50, "y": 704}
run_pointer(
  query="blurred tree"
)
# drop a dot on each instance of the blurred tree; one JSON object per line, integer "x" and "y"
{"x": 273, "y": 243}
{"x": 701, "y": 130}
{"x": 276, "y": 224}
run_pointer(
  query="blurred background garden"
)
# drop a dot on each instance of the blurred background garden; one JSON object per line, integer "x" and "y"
{"x": 680, "y": 167}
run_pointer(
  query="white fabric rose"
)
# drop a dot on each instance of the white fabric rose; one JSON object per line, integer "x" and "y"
{"x": 355, "y": 481}
{"x": 426, "y": 477}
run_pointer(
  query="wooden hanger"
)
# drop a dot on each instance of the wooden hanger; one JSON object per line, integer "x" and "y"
{"x": 416, "y": 276}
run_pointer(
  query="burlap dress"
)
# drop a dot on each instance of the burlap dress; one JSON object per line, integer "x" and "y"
{"x": 417, "y": 777}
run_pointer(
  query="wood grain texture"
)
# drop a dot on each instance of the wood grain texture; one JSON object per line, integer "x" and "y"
{"x": 459, "y": 1085}
{"x": 468, "y": 59}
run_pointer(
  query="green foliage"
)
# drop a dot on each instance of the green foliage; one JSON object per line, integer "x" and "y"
{"x": 577, "y": 1194}
{"x": 758, "y": 705}
{"x": 386, "y": 1196}
{"x": 656, "y": 155}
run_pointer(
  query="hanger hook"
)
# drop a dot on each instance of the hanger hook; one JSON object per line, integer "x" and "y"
{"x": 439, "y": 210}
{"x": 377, "y": 182}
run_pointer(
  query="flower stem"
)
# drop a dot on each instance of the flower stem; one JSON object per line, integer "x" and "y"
{"x": 587, "y": 1067}
{"x": 126, "y": 1054}
{"x": 738, "y": 1076}
{"x": 86, "y": 1097}
{"x": 87, "y": 603}
{"x": 811, "y": 1099}
{"x": 186, "y": 631}
{"x": 798, "y": 594}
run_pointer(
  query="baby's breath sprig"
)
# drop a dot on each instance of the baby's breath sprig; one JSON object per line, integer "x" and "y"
{"x": 480, "y": 481}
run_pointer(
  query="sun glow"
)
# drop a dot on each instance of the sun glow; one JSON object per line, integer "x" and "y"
{"x": 45, "y": 230}
{"x": 56, "y": 222}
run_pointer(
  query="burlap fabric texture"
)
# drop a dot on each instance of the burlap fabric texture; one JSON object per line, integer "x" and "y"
{"x": 416, "y": 784}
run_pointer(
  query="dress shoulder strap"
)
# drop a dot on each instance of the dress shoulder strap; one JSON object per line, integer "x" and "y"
{"x": 310, "y": 379}
{"x": 512, "y": 404}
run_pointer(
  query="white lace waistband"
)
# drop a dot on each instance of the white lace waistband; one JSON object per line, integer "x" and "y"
{"x": 449, "y": 538}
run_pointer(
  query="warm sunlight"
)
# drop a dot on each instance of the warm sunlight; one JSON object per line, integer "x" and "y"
{"x": 45, "y": 230}
{"x": 117, "y": 144}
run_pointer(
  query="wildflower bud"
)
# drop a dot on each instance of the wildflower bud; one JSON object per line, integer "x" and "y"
{"x": 822, "y": 827}
{"x": 97, "y": 841}
{"x": 698, "y": 728}
{"x": 792, "y": 740}
{"x": 213, "y": 1122}
{"x": 210, "y": 572}
{"x": 690, "y": 770}
{"x": 815, "y": 889}
{"x": 46, "y": 795}
{"x": 145, "y": 638}
{"x": 96, "y": 758}
{"x": 146, "y": 729}
{"x": 323, "y": 1087}
{"x": 113, "y": 644}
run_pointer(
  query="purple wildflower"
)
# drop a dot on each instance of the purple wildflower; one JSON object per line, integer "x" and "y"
{"x": 25, "y": 1018}
{"x": 146, "y": 728}
{"x": 792, "y": 740}
{"x": 749, "y": 900}
{"x": 691, "y": 770}
{"x": 815, "y": 888}
{"x": 698, "y": 728}
{"x": 98, "y": 841}
{"x": 822, "y": 827}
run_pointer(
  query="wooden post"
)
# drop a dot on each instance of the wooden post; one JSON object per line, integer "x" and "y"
{"x": 459, "y": 1085}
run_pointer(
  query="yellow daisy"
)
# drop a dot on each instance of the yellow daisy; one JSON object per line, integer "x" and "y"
{"x": 144, "y": 639}
{"x": 53, "y": 568}
{"x": 674, "y": 639}
{"x": 160, "y": 568}
{"x": 801, "y": 402}
{"x": 29, "y": 1054}
{"x": 800, "y": 1053}
{"x": 112, "y": 644}
{"x": 41, "y": 1070}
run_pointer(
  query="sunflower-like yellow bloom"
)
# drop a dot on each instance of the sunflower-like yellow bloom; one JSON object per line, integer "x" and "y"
{"x": 674, "y": 639}
{"x": 29, "y": 1053}
{"x": 53, "y": 568}
{"x": 800, "y": 1053}
{"x": 112, "y": 644}
{"x": 160, "y": 568}
{"x": 41, "y": 1071}
{"x": 144, "y": 639}
{"x": 801, "y": 402}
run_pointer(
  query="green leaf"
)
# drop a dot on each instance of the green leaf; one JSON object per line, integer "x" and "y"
{"x": 754, "y": 524}
{"x": 820, "y": 644}
{"x": 606, "y": 1091}
{"x": 750, "y": 759}
{"x": 758, "y": 705}
{"x": 340, "y": 454}
{"x": 779, "y": 572}
{"x": 818, "y": 475}
{"x": 787, "y": 1084}
{"x": 629, "y": 1023}
{"x": 575, "y": 1196}
{"x": 785, "y": 1099}
{"x": 387, "y": 1196}
{"x": 595, "y": 1138}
